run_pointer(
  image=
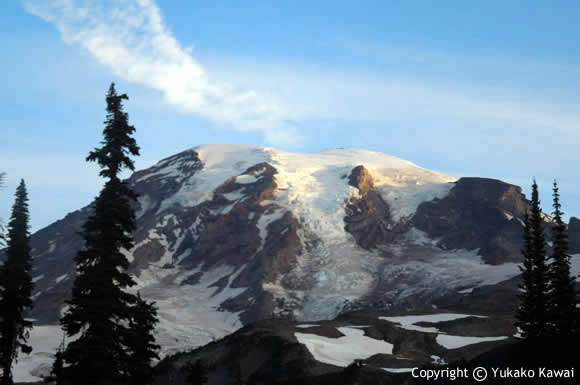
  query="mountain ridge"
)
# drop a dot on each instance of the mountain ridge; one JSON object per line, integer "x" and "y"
{"x": 231, "y": 234}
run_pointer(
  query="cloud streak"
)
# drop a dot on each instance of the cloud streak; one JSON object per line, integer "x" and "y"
{"x": 363, "y": 96}
{"x": 130, "y": 38}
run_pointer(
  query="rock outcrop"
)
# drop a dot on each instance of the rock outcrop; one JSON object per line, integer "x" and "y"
{"x": 574, "y": 235}
{"x": 478, "y": 213}
{"x": 368, "y": 217}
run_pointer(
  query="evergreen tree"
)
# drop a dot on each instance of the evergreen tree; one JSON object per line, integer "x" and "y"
{"x": 143, "y": 346}
{"x": 15, "y": 287}
{"x": 2, "y": 236}
{"x": 540, "y": 271}
{"x": 532, "y": 316}
{"x": 563, "y": 311}
{"x": 524, "y": 314}
{"x": 101, "y": 311}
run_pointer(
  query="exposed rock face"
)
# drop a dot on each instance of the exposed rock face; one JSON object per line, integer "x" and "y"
{"x": 367, "y": 216}
{"x": 478, "y": 213}
{"x": 256, "y": 234}
{"x": 53, "y": 250}
{"x": 574, "y": 235}
{"x": 240, "y": 227}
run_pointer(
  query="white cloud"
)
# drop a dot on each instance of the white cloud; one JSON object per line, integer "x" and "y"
{"x": 364, "y": 96}
{"x": 130, "y": 38}
{"x": 274, "y": 97}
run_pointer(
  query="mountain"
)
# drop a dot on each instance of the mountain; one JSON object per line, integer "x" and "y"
{"x": 229, "y": 234}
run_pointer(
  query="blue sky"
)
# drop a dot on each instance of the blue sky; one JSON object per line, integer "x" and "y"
{"x": 486, "y": 88}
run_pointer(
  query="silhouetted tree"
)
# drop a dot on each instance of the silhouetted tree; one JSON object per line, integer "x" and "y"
{"x": 101, "y": 312}
{"x": 532, "y": 316}
{"x": 563, "y": 311}
{"x": 524, "y": 314}
{"x": 15, "y": 287}
{"x": 540, "y": 271}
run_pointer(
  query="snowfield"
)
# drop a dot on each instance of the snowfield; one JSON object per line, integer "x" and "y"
{"x": 447, "y": 341}
{"x": 354, "y": 344}
{"x": 344, "y": 350}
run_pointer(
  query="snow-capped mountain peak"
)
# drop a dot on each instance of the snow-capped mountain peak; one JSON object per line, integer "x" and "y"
{"x": 229, "y": 234}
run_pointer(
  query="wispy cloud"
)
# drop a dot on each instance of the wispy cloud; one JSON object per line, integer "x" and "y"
{"x": 371, "y": 96}
{"x": 131, "y": 39}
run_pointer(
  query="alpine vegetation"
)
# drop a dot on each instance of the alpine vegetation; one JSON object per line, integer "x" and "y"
{"x": 548, "y": 297}
{"x": 15, "y": 287}
{"x": 532, "y": 316}
{"x": 109, "y": 328}
{"x": 563, "y": 311}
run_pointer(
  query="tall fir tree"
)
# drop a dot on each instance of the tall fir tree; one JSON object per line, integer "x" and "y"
{"x": 101, "y": 311}
{"x": 524, "y": 314}
{"x": 540, "y": 271}
{"x": 563, "y": 311}
{"x": 15, "y": 287}
{"x": 532, "y": 316}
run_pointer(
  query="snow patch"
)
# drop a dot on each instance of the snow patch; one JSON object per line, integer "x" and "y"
{"x": 344, "y": 350}
{"x": 409, "y": 322}
{"x": 404, "y": 197}
{"x": 455, "y": 342}
{"x": 264, "y": 221}
{"x": 508, "y": 216}
{"x": 61, "y": 278}
{"x": 144, "y": 205}
{"x": 37, "y": 278}
{"x": 398, "y": 370}
{"x": 234, "y": 195}
{"x": 246, "y": 179}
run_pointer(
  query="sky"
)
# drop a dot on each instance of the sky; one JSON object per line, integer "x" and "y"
{"x": 487, "y": 88}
